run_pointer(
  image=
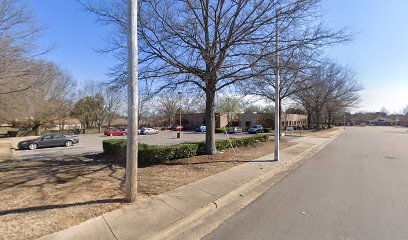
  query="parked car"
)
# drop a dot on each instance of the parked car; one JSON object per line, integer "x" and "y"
{"x": 201, "y": 128}
{"x": 256, "y": 129}
{"x": 50, "y": 140}
{"x": 115, "y": 132}
{"x": 148, "y": 131}
{"x": 234, "y": 130}
{"x": 178, "y": 128}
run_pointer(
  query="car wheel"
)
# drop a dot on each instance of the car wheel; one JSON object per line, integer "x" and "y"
{"x": 111, "y": 134}
{"x": 68, "y": 143}
{"x": 33, "y": 146}
{"x": 124, "y": 134}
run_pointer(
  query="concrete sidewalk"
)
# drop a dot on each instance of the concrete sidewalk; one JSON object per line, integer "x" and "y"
{"x": 193, "y": 210}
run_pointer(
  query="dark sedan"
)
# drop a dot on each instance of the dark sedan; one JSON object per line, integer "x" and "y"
{"x": 50, "y": 140}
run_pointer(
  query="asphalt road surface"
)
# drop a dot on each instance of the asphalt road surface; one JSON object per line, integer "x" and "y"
{"x": 355, "y": 188}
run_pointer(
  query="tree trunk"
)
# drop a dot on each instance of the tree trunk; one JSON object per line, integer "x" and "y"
{"x": 318, "y": 121}
{"x": 37, "y": 129}
{"x": 330, "y": 119}
{"x": 210, "y": 147}
{"x": 309, "y": 119}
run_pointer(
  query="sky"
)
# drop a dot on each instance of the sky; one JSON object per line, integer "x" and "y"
{"x": 378, "y": 54}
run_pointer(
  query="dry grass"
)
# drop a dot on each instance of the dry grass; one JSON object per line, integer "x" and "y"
{"x": 37, "y": 198}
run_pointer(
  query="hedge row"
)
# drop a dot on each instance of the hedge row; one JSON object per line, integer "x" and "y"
{"x": 151, "y": 154}
{"x": 220, "y": 130}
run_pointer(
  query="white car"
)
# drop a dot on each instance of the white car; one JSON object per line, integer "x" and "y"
{"x": 148, "y": 131}
{"x": 234, "y": 130}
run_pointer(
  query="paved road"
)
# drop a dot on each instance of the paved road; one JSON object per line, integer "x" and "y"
{"x": 355, "y": 188}
{"x": 92, "y": 144}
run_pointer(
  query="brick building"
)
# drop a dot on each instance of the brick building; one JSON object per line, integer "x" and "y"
{"x": 190, "y": 120}
{"x": 244, "y": 120}
{"x": 248, "y": 119}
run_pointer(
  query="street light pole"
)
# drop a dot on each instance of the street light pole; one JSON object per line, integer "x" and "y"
{"x": 277, "y": 95}
{"x": 132, "y": 141}
{"x": 180, "y": 102}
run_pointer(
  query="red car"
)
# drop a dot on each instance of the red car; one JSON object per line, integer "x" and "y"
{"x": 178, "y": 128}
{"x": 115, "y": 132}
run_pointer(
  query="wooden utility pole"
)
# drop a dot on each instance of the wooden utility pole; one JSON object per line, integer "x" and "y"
{"x": 132, "y": 142}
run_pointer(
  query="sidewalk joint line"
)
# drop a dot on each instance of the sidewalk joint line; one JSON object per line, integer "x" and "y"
{"x": 172, "y": 207}
{"x": 110, "y": 229}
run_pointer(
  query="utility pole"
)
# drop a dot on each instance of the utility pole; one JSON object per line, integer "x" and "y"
{"x": 277, "y": 94}
{"x": 132, "y": 142}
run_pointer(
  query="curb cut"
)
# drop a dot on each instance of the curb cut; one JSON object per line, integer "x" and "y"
{"x": 194, "y": 225}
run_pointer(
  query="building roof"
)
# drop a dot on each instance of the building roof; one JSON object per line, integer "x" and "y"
{"x": 381, "y": 119}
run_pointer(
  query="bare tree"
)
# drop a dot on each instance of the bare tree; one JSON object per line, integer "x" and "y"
{"x": 229, "y": 105}
{"x": 207, "y": 44}
{"x": 41, "y": 104}
{"x": 335, "y": 87}
{"x": 18, "y": 34}
{"x": 167, "y": 106}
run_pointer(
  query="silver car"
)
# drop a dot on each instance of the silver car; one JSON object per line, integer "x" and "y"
{"x": 50, "y": 140}
{"x": 235, "y": 130}
{"x": 148, "y": 131}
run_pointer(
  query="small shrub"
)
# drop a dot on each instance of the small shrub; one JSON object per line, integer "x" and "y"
{"x": 268, "y": 130}
{"x": 220, "y": 130}
{"x": 116, "y": 147}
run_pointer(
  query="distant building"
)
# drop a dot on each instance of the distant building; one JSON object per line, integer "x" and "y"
{"x": 245, "y": 120}
{"x": 190, "y": 120}
{"x": 248, "y": 119}
{"x": 383, "y": 121}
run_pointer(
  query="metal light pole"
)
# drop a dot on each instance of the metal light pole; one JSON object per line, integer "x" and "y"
{"x": 277, "y": 95}
{"x": 179, "y": 93}
{"x": 132, "y": 143}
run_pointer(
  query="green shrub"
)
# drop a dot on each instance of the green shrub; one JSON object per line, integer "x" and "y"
{"x": 116, "y": 147}
{"x": 151, "y": 154}
{"x": 220, "y": 130}
{"x": 161, "y": 154}
{"x": 268, "y": 130}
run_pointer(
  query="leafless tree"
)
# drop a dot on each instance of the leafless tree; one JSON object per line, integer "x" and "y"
{"x": 18, "y": 35}
{"x": 207, "y": 44}
{"x": 40, "y": 104}
{"x": 230, "y": 105}
{"x": 167, "y": 106}
{"x": 335, "y": 88}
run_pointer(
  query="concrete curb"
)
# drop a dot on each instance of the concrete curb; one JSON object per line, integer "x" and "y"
{"x": 190, "y": 227}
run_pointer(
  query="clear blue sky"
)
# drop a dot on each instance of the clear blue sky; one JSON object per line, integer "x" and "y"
{"x": 379, "y": 53}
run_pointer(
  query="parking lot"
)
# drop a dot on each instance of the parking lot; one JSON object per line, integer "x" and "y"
{"x": 92, "y": 144}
